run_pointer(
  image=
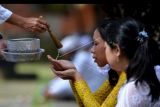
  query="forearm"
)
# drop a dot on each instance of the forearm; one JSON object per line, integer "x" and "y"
{"x": 16, "y": 20}
{"x": 100, "y": 95}
{"x": 102, "y": 92}
{"x": 77, "y": 77}
{"x": 85, "y": 94}
{"x": 77, "y": 97}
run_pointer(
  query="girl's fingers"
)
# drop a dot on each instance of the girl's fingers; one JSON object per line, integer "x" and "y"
{"x": 57, "y": 73}
{"x": 56, "y": 64}
{"x": 51, "y": 59}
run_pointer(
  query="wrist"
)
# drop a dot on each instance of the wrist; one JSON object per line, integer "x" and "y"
{"x": 77, "y": 76}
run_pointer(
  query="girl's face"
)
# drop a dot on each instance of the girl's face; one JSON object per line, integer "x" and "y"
{"x": 115, "y": 59}
{"x": 98, "y": 49}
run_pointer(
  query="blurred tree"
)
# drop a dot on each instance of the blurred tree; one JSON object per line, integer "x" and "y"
{"x": 146, "y": 12}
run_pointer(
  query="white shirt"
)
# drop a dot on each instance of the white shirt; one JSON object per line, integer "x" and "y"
{"x": 104, "y": 70}
{"x": 136, "y": 96}
{"x": 4, "y": 14}
{"x": 132, "y": 96}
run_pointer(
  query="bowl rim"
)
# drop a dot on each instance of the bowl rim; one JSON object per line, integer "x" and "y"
{"x": 22, "y": 53}
{"x": 23, "y": 39}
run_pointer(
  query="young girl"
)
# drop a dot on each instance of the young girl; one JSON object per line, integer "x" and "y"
{"x": 129, "y": 48}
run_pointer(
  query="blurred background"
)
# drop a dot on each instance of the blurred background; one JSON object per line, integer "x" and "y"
{"x": 27, "y": 84}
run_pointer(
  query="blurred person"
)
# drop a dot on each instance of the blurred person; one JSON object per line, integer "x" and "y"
{"x": 31, "y": 24}
{"x": 75, "y": 48}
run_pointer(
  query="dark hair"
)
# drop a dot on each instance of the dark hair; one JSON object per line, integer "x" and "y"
{"x": 113, "y": 75}
{"x": 141, "y": 50}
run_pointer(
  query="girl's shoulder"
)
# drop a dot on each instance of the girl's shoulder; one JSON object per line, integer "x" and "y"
{"x": 132, "y": 95}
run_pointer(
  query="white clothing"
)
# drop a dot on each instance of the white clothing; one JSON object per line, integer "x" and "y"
{"x": 4, "y": 14}
{"x": 69, "y": 43}
{"x": 104, "y": 70}
{"x": 136, "y": 96}
{"x": 60, "y": 87}
{"x": 132, "y": 96}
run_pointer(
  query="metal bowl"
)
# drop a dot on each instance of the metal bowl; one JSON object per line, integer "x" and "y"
{"x": 24, "y": 45}
{"x": 21, "y": 57}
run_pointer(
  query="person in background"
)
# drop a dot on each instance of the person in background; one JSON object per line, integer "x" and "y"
{"x": 30, "y": 24}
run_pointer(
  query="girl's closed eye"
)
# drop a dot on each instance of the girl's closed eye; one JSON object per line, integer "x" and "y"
{"x": 95, "y": 43}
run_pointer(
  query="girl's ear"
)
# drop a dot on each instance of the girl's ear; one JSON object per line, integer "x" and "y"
{"x": 117, "y": 50}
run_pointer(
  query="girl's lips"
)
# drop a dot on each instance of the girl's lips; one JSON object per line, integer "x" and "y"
{"x": 94, "y": 59}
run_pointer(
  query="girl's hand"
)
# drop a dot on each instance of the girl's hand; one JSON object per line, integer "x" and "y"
{"x": 64, "y": 69}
